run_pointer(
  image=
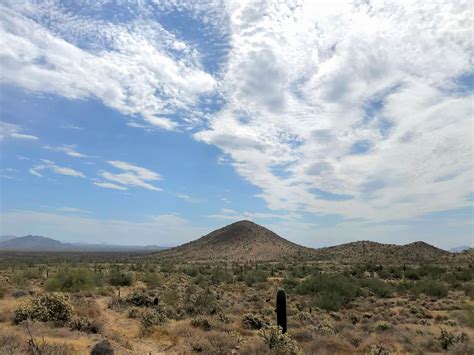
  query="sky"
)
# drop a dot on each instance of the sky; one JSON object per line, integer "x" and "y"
{"x": 155, "y": 122}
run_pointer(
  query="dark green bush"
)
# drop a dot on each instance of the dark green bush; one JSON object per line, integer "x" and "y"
{"x": 73, "y": 280}
{"x": 219, "y": 276}
{"x": 378, "y": 287}
{"x": 151, "y": 279}
{"x": 332, "y": 291}
{"x": 431, "y": 288}
{"x": 254, "y": 276}
{"x": 118, "y": 278}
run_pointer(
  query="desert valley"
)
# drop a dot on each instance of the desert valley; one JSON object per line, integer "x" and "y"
{"x": 217, "y": 295}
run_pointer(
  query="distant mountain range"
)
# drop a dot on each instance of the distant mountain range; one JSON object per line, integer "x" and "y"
{"x": 247, "y": 241}
{"x": 39, "y": 243}
{"x": 459, "y": 249}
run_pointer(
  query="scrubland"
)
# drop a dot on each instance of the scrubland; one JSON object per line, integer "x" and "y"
{"x": 141, "y": 305}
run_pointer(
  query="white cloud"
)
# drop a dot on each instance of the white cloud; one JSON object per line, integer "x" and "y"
{"x": 132, "y": 176}
{"x": 50, "y": 165}
{"x": 67, "y": 149}
{"x": 72, "y": 210}
{"x": 10, "y": 130}
{"x": 109, "y": 185}
{"x": 130, "y": 67}
{"x": 34, "y": 170}
{"x": 309, "y": 87}
{"x": 350, "y": 108}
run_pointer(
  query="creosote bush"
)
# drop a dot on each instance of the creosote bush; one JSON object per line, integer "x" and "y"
{"x": 118, "y": 278}
{"x": 332, "y": 291}
{"x": 73, "y": 280}
{"x": 45, "y": 308}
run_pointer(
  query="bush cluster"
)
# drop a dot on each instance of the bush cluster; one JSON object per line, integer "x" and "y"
{"x": 73, "y": 280}
{"x": 45, "y": 308}
{"x": 332, "y": 291}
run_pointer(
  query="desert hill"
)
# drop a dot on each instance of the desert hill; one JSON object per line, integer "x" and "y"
{"x": 248, "y": 241}
{"x": 239, "y": 241}
{"x": 368, "y": 251}
{"x": 33, "y": 243}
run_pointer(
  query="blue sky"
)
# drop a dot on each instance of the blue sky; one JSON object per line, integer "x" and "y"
{"x": 157, "y": 122}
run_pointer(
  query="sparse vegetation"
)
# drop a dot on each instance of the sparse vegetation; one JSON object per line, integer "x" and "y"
{"x": 144, "y": 304}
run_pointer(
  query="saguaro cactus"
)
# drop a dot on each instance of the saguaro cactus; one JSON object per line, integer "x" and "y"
{"x": 281, "y": 310}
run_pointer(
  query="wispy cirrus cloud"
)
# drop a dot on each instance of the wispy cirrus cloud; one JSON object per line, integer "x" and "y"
{"x": 109, "y": 185}
{"x": 67, "y": 149}
{"x": 13, "y": 131}
{"x": 52, "y": 166}
{"x": 132, "y": 175}
{"x": 140, "y": 69}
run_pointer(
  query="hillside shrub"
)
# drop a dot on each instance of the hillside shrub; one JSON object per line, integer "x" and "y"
{"x": 45, "y": 308}
{"x": 117, "y": 278}
{"x": 151, "y": 279}
{"x": 219, "y": 276}
{"x": 432, "y": 288}
{"x": 255, "y": 276}
{"x": 378, "y": 287}
{"x": 332, "y": 291}
{"x": 73, "y": 280}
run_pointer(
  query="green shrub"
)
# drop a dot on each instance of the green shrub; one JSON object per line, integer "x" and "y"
{"x": 73, "y": 280}
{"x": 219, "y": 276}
{"x": 332, "y": 291}
{"x": 151, "y": 279}
{"x": 432, "y": 288}
{"x": 45, "y": 308}
{"x": 290, "y": 282}
{"x": 254, "y": 276}
{"x": 378, "y": 287}
{"x": 117, "y": 278}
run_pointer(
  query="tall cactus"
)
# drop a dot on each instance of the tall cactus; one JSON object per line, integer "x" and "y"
{"x": 281, "y": 310}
